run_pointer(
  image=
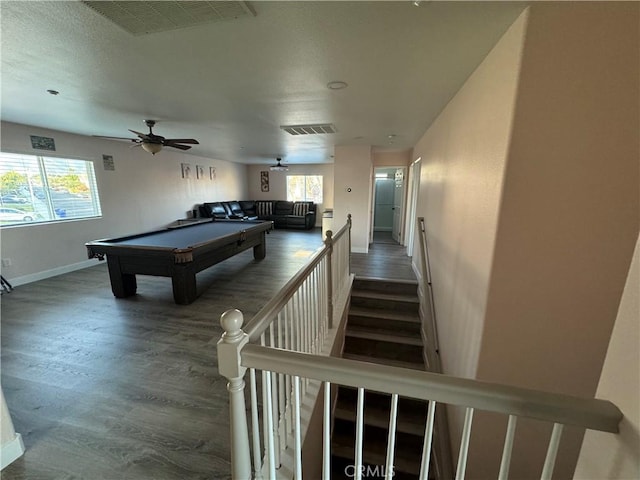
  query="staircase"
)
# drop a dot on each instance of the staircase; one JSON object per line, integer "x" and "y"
{"x": 383, "y": 327}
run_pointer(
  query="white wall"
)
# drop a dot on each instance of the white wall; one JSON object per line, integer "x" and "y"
{"x": 353, "y": 174}
{"x": 278, "y": 184}
{"x": 464, "y": 156}
{"x": 143, "y": 193}
{"x": 400, "y": 158}
{"x": 569, "y": 216}
{"x": 618, "y": 456}
{"x": 530, "y": 190}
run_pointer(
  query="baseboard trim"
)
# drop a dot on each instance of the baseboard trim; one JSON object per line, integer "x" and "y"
{"x": 54, "y": 272}
{"x": 417, "y": 272}
{"x": 11, "y": 451}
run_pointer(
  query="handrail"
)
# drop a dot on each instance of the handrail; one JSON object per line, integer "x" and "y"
{"x": 443, "y": 447}
{"x": 589, "y": 413}
{"x": 261, "y": 320}
{"x": 426, "y": 265}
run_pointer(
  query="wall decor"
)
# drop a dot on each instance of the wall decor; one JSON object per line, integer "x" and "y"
{"x": 186, "y": 170}
{"x": 107, "y": 162}
{"x": 212, "y": 173}
{"x": 264, "y": 181}
{"x": 199, "y": 171}
{"x": 43, "y": 143}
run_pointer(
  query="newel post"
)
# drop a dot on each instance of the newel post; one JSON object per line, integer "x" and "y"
{"x": 229, "y": 347}
{"x": 328, "y": 241}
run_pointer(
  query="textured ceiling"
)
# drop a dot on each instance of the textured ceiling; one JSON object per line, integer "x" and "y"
{"x": 144, "y": 17}
{"x": 233, "y": 84}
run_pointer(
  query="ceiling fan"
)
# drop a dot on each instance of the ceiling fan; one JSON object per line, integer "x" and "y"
{"x": 278, "y": 167}
{"x": 153, "y": 143}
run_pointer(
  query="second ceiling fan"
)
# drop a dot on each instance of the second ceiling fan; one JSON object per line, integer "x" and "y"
{"x": 278, "y": 167}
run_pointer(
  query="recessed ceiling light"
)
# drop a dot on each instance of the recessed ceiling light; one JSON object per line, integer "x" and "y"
{"x": 337, "y": 85}
{"x": 53, "y": 92}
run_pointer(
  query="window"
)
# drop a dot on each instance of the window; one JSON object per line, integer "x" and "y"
{"x": 304, "y": 188}
{"x": 36, "y": 189}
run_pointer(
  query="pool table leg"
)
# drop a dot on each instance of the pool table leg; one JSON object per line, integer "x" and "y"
{"x": 260, "y": 250}
{"x": 122, "y": 284}
{"x": 184, "y": 285}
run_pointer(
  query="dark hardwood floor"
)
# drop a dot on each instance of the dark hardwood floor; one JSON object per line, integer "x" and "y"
{"x": 106, "y": 388}
{"x": 386, "y": 259}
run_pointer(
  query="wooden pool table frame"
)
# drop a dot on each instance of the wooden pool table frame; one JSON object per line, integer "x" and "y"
{"x": 181, "y": 264}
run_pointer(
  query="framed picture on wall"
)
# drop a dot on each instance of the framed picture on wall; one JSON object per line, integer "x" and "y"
{"x": 264, "y": 181}
{"x": 212, "y": 173}
{"x": 107, "y": 162}
{"x": 199, "y": 171}
{"x": 43, "y": 143}
{"x": 186, "y": 170}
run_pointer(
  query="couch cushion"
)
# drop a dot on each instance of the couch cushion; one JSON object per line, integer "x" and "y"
{"x": 283, "y": 208}
{"x": 215, "y": 209}
{"x": 300, "y": 208}
{"x": 264, "y": 209}
{"x": 248, "y": 207}
{"x": 236, "y": 209}
{"x": 227, "y": 208}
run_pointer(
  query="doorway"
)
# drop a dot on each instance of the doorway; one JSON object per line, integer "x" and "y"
{"x": 388, "y": 205}
{"x": 414, "y": 189}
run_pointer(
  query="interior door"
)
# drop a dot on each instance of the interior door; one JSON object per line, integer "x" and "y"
{"x": 398, "y": 198}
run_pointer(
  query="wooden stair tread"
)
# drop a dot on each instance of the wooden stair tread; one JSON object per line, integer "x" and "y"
{"x": 384, "y": 296}
{"x": 378, "y": 417}
{"x": 343, "y": 447}
{"x": 380, "y": 398}
{"x": 381, "y": 335}
{"x": 360, "y": 278}
{"x": 383, "y": 361}
{"x": 383, "y": 314}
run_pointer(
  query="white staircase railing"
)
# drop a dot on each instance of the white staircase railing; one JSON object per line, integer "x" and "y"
{"x": 300, "y": 318}
{"x": 436, "y": 389}
{"x": 284, "y": 347}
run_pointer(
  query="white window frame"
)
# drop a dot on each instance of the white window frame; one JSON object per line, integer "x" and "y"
{"x": 41, "y": 198}
{"x": 305, "y": 197}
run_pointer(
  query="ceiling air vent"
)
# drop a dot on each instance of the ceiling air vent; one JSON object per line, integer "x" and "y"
{"x": 143, "y": 17}
{"x": 316, "y": 129}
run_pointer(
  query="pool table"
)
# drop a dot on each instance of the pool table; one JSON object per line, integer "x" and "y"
{"x": 177, "y": 252}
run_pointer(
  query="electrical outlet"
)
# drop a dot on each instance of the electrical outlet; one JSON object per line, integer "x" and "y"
{"x": 6, "y": 262}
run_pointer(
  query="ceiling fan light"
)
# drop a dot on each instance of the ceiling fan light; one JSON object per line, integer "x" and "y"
{"x": 152, "y": 148}
{"x": 278, "y": 167}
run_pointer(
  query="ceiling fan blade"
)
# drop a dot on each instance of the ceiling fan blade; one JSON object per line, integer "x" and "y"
{"x": 117, "y": 138}
{"x": 181, "y": 140}
{"x": 176, "y": 145}
{"x": 143, "y": 136}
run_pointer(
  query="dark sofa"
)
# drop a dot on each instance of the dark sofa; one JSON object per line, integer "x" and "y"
{"x": 283, "y": 214}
